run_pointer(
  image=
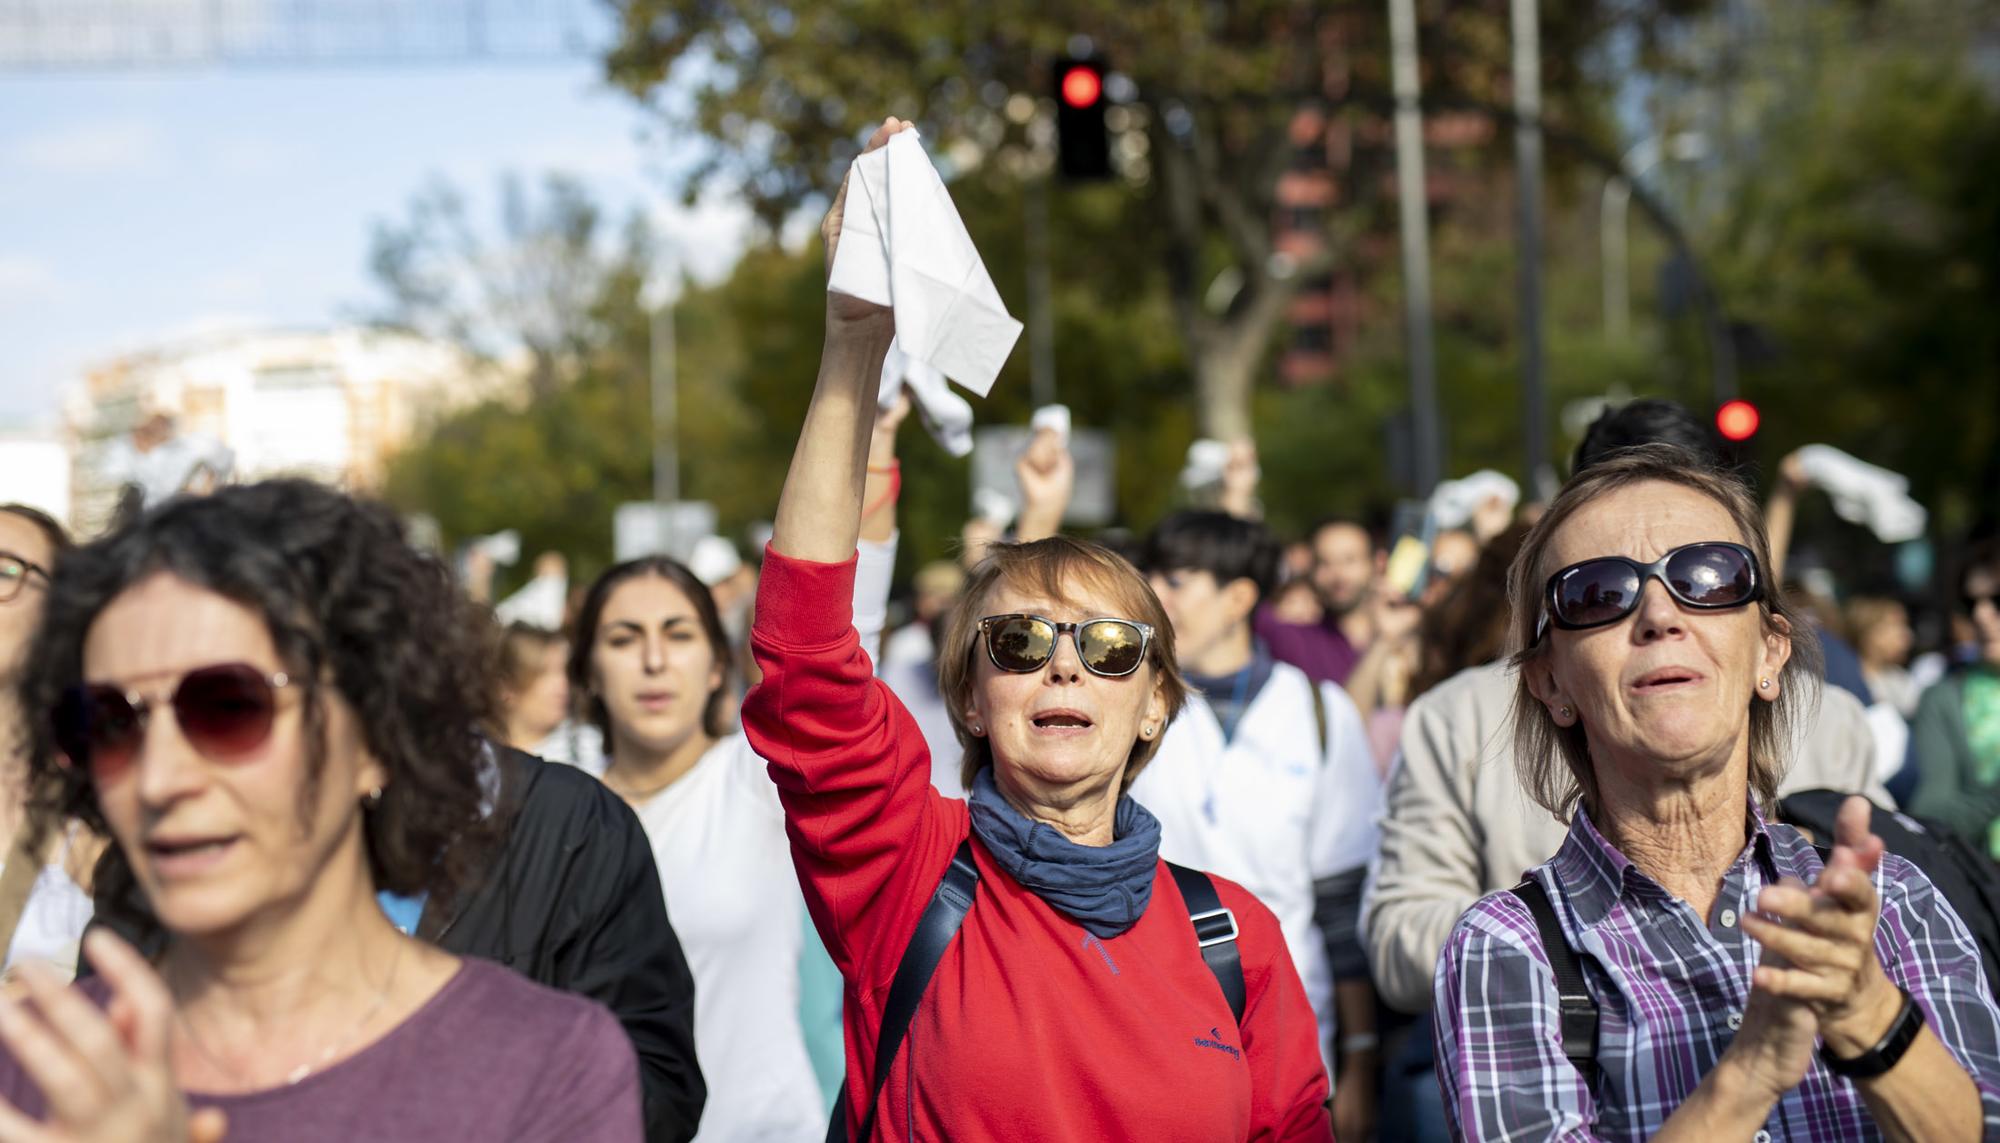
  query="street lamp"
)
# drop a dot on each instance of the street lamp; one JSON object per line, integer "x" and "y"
{"x": 661, "y": 291}
{"x": 1684, "y": 146}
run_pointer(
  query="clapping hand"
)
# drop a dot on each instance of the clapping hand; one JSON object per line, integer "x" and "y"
{"x": 105, "y": 1076}
{"x": 1824, "y": 938}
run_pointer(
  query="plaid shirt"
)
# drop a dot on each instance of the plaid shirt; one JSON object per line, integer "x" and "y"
{"x": 1671, "y": 988}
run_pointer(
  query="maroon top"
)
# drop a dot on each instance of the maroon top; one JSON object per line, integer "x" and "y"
{"x": 493, "y": 1056}
{"x": 1318, "y": 649}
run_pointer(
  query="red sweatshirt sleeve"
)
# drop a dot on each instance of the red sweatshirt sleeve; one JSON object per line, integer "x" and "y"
{"x": 870, "y": 837}
{"x": 1288, "y": 1086}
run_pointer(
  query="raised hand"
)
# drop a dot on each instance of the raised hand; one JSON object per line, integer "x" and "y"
{"x": 1046, "y": 473}
{"x": 845, "y": 313}
{"x": 1825, "y": 935}
{"x": 106, "y": 1076}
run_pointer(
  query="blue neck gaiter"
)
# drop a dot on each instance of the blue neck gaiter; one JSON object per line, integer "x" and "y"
{"x": 1104, "y": 888}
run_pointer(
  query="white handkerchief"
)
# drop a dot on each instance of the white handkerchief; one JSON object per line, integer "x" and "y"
{"x": 1864, "y": 494}
{"x": 945, "y": 414}
{"x": 903, "y": 245}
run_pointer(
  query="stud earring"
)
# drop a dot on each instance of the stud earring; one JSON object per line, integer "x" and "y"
{"x": 977, "y": 729}
{"x": 1763, "y": 684}
{"x": 374, "y": 798}
{"x": 1565, "y": 712}
{"x": 1148, "y": 732}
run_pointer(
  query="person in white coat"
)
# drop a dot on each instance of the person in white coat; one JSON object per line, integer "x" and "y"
{"x": 1267, "y": 779}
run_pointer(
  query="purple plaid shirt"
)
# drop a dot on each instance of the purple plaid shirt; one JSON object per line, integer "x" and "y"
{"x": 1671, "y": 988}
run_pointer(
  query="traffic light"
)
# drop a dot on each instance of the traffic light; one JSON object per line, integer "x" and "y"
{"x": 1737, "y": 421}
{"x": 1083, "y": 142}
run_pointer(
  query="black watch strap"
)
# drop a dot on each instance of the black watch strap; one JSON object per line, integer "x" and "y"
{"x": 1887, "y": 1052}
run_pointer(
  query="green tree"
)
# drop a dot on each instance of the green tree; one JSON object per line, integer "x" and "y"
{"x": 783, "y": 93}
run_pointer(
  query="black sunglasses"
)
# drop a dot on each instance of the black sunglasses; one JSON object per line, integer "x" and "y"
{"x": 1712, "y": 576}
{"x": 225, "y": 711}
{"x": 1112, "y": 648}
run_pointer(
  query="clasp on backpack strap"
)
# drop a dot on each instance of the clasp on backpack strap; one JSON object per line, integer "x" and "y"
{"x": 1214, "y": 927}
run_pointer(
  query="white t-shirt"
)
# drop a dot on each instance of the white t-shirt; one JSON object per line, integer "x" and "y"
{"x": 1267, "y": 810}
{"x": 52, "y": 923}
{"x": 718, "y": 837}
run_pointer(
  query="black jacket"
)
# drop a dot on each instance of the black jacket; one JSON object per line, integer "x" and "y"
{"x": 572, "y": 900}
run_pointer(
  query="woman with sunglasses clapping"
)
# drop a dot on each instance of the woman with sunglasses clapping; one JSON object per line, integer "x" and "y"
{"x": 1685, "y": 967}
{"x": 270, "y": 702}
{"x": 1022, "y": 965}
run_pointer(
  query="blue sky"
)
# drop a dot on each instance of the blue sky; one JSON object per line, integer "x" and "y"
{"x": 137, "y": 208}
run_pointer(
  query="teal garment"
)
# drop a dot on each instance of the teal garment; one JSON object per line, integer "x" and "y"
{"x": 1951, "y": 783}
{"x": 820, "y": 991}
{"x": 1981, "y": 708}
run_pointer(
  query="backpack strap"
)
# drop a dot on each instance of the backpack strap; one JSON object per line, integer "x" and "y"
{"x": 1319, "y": 718}
{"x": 1215, "y": 931}
{"x": 935, "y": 930}
{"x": 1579, "y": 1011}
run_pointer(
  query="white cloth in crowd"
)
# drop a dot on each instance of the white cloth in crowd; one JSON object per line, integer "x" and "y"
{"x": 714, "y": 559}
{"x": 1206, "y": 459}
{"x": 903, "y": 245}
{"x": 1268, "y": 809}
{"x": 169, "y": 467}
{"x": 947, "y": 417}
{"x": 1455, "y": 501}
{"x": 538, "y": 604}
{"x": 1865, "y": 494}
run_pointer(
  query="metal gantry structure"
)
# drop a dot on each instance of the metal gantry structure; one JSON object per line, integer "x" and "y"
{"x": 52, "y": 36}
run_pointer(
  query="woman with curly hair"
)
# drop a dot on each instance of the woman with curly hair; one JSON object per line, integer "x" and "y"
{"x": 269, "y": 702}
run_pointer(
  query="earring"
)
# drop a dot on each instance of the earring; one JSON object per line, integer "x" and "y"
{"x": 1147, "y": 731}
{"x": 1565, "y": 712}
{"x": 1763, "y": 684}
{"x": 374, "y": 798}
{"x": 977, "y": 729}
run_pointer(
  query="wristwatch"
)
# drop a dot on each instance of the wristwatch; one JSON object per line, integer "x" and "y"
{"x": 1887, "y": 1052}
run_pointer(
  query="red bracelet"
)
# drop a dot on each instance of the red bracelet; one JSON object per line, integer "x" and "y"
{"x": 889, "y": 497}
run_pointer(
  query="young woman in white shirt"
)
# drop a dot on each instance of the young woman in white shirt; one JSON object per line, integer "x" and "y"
{"x": 652, "y": 660}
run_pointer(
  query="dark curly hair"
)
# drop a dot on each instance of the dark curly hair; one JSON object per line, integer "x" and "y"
{"x": 715, "y": 714}
{"x": 346, "y": 600}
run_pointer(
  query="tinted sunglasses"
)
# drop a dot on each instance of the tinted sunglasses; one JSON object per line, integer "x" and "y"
{"x": 225, "y": 712}
{"x": 1710, "y": 576}
{"x": 1112, "y": 648}
{"x": 15, "y": 573}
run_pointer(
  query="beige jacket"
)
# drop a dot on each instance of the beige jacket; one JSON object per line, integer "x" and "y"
{"x": 1459, "y": 825}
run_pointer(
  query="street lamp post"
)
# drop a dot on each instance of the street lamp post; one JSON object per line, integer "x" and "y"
{"x": 1684, "y": 146}
{"x": 1414, "y": 211}
{"x": 659, "y": 297}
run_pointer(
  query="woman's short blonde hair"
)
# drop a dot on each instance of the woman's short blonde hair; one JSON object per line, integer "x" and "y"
{"x": 1554, "y": 760}
{"x": 1053, "y": 569}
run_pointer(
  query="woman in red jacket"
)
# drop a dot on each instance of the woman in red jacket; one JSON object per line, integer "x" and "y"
{"x": 1073, "y": 1002}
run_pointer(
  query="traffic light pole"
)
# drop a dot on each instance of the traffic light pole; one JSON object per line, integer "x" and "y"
{"x": 1528, "y": 190}
{"x": 1414, "y": 208}
{"x": 1041, "y": 323}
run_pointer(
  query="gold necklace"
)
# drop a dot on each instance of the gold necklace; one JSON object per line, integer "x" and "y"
{"x": 303, "y": 1070}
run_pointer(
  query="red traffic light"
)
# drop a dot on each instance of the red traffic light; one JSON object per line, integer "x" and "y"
{"x": 1082, "y": 86}
{"x": 1737, "y": 420}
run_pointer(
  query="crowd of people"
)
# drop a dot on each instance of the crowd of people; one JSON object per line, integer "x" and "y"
{"x": 1509, "y": 821}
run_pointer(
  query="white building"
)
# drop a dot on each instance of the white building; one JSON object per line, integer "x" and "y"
{"x": 330, "y": 404}
{"x": 35, "y": 470}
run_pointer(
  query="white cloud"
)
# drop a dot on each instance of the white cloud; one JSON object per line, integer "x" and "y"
{"x": 113, "y": 147}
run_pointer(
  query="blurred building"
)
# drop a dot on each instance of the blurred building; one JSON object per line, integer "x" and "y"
{"x": 1338, "y": 145}
{"x": 329, "y": 404}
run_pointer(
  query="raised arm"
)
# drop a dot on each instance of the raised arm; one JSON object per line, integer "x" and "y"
{"x": 819, "y": 512}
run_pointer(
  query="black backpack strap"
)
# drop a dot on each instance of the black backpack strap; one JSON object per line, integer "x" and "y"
{"x": 1215, "y": 932}
{"x": 935, "y": 929}
{"x": 1579, "y": 1011}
